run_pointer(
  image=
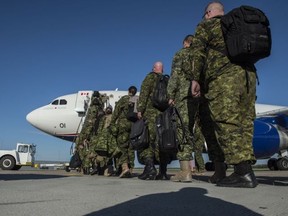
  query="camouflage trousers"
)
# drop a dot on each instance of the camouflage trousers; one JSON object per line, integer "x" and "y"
{"x": 151, "y": 151}
{"x": 198, "y": 147}
{"x": 126, "y": 154}
{"x": 227, "y": 115}
{"x": 186, "y": 111}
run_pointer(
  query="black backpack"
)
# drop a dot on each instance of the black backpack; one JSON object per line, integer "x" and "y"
{"x": 160, "y": 97}
{"x": 166, "y": 122}
{"x": 139, "y": 135}
{"x": 247, "y": 35}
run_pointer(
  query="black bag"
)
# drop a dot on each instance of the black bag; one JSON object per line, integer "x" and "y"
{"x": 159, "y": 97}
{"x": 139, "y": 135}
{"x": 75, "y": 161}
{"x": 247, "y": 35}
{"x": 166, "y": 123}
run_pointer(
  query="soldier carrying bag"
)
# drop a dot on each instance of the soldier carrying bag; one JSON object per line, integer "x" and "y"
{"x": 139, "y": 135}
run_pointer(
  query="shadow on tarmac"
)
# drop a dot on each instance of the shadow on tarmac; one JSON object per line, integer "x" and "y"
{"x": 185, "y": 202}
{"x": 267, "y": 180}
{"x": 12, "y": 177}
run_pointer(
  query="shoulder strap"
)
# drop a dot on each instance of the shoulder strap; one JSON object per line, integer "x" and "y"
{"x": 176, "y": 112}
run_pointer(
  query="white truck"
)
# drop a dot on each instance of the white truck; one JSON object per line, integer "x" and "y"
{"x": 23, "y": 155}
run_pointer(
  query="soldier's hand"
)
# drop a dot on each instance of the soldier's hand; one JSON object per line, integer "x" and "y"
{"x": 195, "y": 88}
{"x": 171, "y": 102}
{"x": 139, "y": 115}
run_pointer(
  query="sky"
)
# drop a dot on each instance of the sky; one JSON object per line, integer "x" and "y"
{"x": 49, "y": 48}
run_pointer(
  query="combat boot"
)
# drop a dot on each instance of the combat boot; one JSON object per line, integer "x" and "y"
{"x": 162, "y": 175}
{"x": 108, "y": 170}
{"x": 86, "y": 170}
{"x": 242, "y": 177}
{"x": 95, "y": 169}
{"x": 125, "y": 171}
{"x": 149, "y": 172}
{"x": 219, "y": 174}
{"x": 184, "y": 175}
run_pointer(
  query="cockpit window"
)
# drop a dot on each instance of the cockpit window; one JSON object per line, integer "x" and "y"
{"x": 55, "y": 102}
{"x": 63, "y": 102}
{"x": 59, "y": 102}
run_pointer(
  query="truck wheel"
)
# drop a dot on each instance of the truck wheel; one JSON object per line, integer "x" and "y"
{"x": 7, "y": 163}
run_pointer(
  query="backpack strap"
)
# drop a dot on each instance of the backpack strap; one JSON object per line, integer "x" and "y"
{"x": 176, "y": 112}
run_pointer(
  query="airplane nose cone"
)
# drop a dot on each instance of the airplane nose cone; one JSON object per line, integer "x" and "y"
{"x": 31, "y": 118}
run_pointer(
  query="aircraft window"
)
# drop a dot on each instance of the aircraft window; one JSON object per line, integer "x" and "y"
{"x": 55, "y": 102}
{"x": 63, "y": 102}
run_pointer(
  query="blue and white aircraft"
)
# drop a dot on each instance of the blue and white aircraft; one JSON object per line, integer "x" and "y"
{"x": 65, "y": 115}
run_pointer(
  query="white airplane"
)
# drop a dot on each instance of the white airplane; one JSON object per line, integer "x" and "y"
{"x": 65, "y": 115}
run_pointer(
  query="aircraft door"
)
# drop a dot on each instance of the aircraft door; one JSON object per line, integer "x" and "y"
{"x": 83, "y": 101}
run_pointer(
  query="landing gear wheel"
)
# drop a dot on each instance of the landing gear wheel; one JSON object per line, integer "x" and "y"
{"x": 209, "y": 166}
{"x": 272, "y": 164}
{"x": 67, "y": 169}
{"x": 282, "y": 163}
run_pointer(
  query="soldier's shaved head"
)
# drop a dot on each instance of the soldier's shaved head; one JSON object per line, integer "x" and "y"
{"x": 158, "y": 67}
{"x": 213, "y": 9}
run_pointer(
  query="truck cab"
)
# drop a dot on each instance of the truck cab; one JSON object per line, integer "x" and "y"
{"x": 23, "y": 155}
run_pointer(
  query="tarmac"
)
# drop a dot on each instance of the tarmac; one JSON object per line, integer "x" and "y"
{"x": 56, "y": 192}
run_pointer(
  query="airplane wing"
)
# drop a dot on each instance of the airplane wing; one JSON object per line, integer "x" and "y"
{"x": 270, "y": 110}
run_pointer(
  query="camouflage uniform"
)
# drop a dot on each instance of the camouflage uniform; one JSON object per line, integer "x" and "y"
{"x": 88, "y": 129}
{"x": 228, "y": 110}
{"x": 179, "y": 91}
{"x": 198, "y": 146}
{"x": 102, "y": 142}
{"x": 121, "y": 128}
{"x": 149, "y": 113}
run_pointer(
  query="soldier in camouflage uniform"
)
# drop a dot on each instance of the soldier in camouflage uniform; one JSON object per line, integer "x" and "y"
{"x": 179, "y": 93}
{"x": 228, "y": 110}
{"x": 146, "y": 110}
{"x": 121, "y": 128}
{"x": 88, "y": 129}
{"x": 100, "y": 144}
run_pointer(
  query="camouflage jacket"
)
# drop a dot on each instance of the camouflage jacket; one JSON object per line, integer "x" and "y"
{"x": 181, "y": 75}
{"x": 146, "y": 92}
{"x": 207, "y": 50}
{"x": 119, "y": 116}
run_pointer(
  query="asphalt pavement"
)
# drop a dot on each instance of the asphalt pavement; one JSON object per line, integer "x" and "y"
{"x": 56, "y": 192}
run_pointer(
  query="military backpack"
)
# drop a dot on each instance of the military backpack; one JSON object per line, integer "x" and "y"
{"x": 247, "y": 35}
{"x": 160, "y": 96}
{"x": 168, "y": 129}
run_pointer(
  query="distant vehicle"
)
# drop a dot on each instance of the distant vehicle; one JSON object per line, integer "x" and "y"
{"x": 65, "y": 115}
{"x": 23, "y": 155}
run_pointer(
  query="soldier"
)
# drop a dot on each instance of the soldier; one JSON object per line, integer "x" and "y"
{"x": 121, "y": 128}
{"x": 100, "y": 145}
{"x": 89, "y": 127}
{"x": 179, "y": 94}
{"x": 147, "y": 111}
{"x": 228, "y": 110}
